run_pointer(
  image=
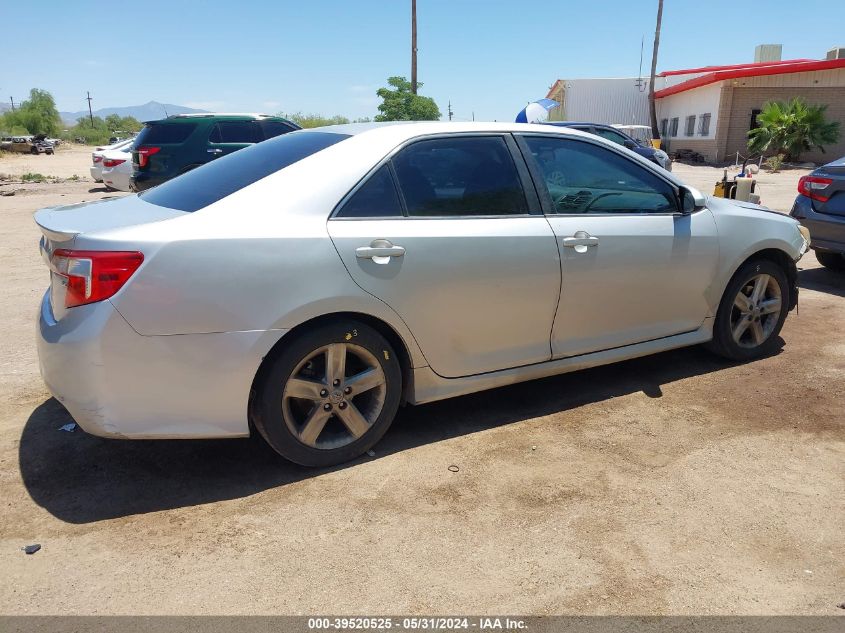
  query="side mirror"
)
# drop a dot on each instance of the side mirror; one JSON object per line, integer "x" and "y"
{"x": 691, "y": 200}
{"x": 630, "y": 144}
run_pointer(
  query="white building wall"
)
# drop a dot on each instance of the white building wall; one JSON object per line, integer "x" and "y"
{"x": 697, "y": 101}
{"x": 609, "y": 101}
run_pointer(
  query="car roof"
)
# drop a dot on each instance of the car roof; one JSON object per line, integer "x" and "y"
{"x": 175, "y": 118}
{"x": 574, "y": 123}
{"x": 410, "y": 129}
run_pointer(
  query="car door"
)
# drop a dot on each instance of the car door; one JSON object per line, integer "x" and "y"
{"x": 444, "y": 233}
{"x": 230, "y": 136}
{"x": 634, "y": 267}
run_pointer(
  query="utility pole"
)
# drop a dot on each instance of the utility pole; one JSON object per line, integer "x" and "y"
{"x": 413, "y": 46}
{"x": 12, "y": 99}
{"x": 90, "y": 113}
{"x": 655, "y": 132}
{"x": 450, "y": 109}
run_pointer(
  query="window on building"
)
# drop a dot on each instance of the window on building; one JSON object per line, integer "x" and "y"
{"x": 673, "y": 127}
{"x": 754, "y": 114}
{"x": 664, "y": 127}
{"x": 704, "y": 125}
{"x": 689, "y": 130}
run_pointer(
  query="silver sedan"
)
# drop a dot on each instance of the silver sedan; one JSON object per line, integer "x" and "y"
{"x": 308, "y": 286}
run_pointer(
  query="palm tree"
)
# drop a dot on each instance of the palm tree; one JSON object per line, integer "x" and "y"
{"x": 790, "y": 128}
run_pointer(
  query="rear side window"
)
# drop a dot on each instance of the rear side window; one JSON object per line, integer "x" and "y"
{"x": 462, "y": 176}
{"x": 375, "y": 199}
{"x": 275, "y": 128}
{"x": 235, "y": 132}
{"x": 224, "y": 176}
{"x": 164, "y": 133}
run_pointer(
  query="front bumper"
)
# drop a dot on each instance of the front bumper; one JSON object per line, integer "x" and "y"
{"x": 117, "y": 383}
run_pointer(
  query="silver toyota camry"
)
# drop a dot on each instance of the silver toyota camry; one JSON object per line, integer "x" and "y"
{"x": 308, "y": 286}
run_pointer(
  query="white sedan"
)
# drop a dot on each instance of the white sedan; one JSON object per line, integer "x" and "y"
{"x": 97, "y": 158}
{"x": 304, "y": 287}
{"x": 117, "y": 168}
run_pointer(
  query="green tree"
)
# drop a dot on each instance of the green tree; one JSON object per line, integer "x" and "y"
{"x": 401, "y": 104}
{"x": 38, "y": 114}
{"x": 313, "y": 120}
{"x": 113, "y": 122}
{"x": 790, "y": 128}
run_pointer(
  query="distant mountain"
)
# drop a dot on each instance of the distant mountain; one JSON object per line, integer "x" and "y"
{"x": 147, "y": 112}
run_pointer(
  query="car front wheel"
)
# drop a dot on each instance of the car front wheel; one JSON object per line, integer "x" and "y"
{"x": 330, "y": 395}
{"x": 752, "y": 312}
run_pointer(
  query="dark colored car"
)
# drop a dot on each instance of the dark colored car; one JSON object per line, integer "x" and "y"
{"x": 821, "y": 208}
{"x": 657, "y": 156}
{"x": 167, "y": 148}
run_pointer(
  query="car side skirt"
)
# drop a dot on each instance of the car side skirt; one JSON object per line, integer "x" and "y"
{"x": 429, "y": 387}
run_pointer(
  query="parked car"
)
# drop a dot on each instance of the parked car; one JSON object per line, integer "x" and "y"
{"x": 97, "y": 158}
{"x": 117, "y": 167}
{"x": 319, "y": 279}
{"x": 820, "y": 206}
{"x": 180, "y": 143}
{"x": 657, "y": 156}
{"x": 30, "y": 145}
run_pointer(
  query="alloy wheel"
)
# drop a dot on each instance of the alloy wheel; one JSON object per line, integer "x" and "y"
{"x": 334, "y": 396}
{"x": 756, "y": 311}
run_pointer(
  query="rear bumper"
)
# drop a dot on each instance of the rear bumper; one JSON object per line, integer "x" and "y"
{"x": 96, "y": 173}
{"x": 117, "y": 383}
{"x": 827, "y": 231}
{"x": 141, "y": 181}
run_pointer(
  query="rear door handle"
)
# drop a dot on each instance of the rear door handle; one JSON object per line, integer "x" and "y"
{"x": 380, "y": 251}
{"x": 581, "y": 238}
{"x": 215, "y": 150}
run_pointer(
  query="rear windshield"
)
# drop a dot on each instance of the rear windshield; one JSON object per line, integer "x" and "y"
{"x": 163, "y": 133}
{"x": 224, "y": 176}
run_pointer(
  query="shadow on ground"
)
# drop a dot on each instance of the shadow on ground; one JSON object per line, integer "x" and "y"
{"x": 822, "y": 280}
{"x": 80, "y": 478}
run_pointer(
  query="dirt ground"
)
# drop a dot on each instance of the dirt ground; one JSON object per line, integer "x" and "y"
{"x": 674, "y": 484}
{"x": 69, "y": 160}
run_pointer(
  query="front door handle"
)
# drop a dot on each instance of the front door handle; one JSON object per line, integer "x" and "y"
{"x": 380, "y": 251}
{"x": 581, "y": 238}
{"x": 215, "y": 150}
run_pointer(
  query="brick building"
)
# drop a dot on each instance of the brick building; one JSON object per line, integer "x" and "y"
{"x": 711, "y": 109}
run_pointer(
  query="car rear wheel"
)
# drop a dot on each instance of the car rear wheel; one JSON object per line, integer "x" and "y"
{"x": 330, "y": 395}
{"x": 752, "y": 312}
{"x": 831, "y": 260}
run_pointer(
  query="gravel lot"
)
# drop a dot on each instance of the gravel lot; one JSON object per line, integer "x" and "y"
{"x": 674, "y": 484}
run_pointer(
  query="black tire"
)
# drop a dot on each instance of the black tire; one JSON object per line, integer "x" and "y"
{"x": 33, "y": 150}
{"x": 723, "y": 342}
{"x": 831, "y": 260}
{"x": 272, "y": 415}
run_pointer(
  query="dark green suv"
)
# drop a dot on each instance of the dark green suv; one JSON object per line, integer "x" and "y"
{"x": 167, "y": 148}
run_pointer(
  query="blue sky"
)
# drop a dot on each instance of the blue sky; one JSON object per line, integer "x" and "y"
{"x": 486, "y": 56}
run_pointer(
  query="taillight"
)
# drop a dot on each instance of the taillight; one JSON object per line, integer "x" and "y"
{"x": 97, "y": 159}
{"x": 113, "y": 162}
{"x": 811, "y": 186}
{"x": 144, "y": 153}
{"x": 94, "y": 275}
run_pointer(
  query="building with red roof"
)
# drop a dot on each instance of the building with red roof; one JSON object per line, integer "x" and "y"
{"x": 711, "y": 109}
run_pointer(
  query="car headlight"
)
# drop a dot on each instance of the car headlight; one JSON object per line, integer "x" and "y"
{"x": 805, "y": 233}
{"x": 662, "y": 157}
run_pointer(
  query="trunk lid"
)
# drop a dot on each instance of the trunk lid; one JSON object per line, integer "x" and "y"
{"x": 60, "y": 227}
{"x": 835, "y": 191}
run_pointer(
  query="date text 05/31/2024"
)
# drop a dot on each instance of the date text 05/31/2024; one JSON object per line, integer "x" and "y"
{"x": 417, "y": 624}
